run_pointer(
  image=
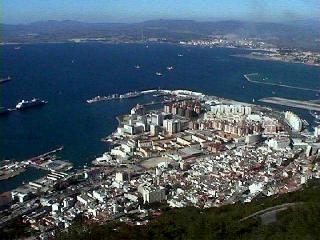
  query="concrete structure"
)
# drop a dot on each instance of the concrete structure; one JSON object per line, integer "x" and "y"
{"x": 157, "y": 119}
{"x": 122, "y": 176}
{"x": 317, "y": 131}
{"x": 231, "y": 109}
{"x": 294, "y": 121}
{"x": 279, "y": 143}
{"x": 172, "y": 126}
{"x": 152, "y": 194}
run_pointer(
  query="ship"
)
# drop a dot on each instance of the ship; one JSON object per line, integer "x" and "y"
{"x": 103, "y": 98}
{"x": 158, "y": 73}
{"x": 29, "y": 104}
{"x": 7, "y": 79}
{"x": 169, "y": 68}
{"x": 130, "y": 95}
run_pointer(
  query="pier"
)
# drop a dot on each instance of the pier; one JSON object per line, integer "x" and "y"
{"x": 45, "y": 154}
{"x": 249, "y": 79}
{"x": 308, "y": 105}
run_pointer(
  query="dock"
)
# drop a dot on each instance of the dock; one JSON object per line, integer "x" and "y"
{"x": 308, "y": 105}
{"x": 248, "y": 77}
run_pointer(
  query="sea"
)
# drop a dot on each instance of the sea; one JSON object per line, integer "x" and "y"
{"x": 67, "y": 74}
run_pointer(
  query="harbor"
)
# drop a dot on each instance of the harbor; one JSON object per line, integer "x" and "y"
{"x": 10, "y": 169}
{"x": 47, "y": 161}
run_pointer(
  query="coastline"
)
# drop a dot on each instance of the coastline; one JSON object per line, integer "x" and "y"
{"x": 267, "y": 58}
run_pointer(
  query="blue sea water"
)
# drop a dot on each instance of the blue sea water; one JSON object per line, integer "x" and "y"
{"x": 67, "y": 74}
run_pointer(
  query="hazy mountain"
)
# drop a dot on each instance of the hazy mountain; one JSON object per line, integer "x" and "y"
{"x": 301, "y": 33}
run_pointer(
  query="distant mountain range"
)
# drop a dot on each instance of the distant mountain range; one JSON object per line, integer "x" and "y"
{"x": 300, "y": 34}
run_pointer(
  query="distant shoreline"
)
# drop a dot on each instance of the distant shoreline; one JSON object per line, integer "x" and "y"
{"x": 267, "y": 58}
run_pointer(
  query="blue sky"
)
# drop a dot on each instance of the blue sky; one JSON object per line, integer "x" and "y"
{"x": 24, "y": 11}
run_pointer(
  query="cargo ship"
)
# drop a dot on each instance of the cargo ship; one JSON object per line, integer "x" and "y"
{"x": 3, "y": 80}
{"x": 29, "y": 104}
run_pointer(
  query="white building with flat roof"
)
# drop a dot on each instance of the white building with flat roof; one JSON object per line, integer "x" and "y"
{"x": 294, "y": 121}
{"x": 152, "y": 194}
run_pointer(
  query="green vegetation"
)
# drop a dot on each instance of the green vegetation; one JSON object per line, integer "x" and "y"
{"x": 299, "y": 222}
{"x": 16, "y": 230}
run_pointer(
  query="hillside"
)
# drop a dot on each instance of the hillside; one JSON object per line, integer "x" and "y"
{"x": 299, "y": 220}
{"x": 300, "y": 34}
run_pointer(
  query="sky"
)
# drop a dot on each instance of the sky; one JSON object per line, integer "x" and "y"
{"x": 26, "y": 11}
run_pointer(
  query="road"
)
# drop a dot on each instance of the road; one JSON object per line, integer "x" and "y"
{"x": 269, "y": 214}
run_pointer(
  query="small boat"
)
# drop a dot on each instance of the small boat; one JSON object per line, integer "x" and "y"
{"x": 180, "y": 55}
{"x": 17, "y": 48}
{"x": 158, "y": 73}
{"x": 169, "y": 68}
{"x": 315, "y": 114}
{"x": 137, "y": 66}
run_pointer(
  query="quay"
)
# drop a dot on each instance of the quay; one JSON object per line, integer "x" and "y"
{"x": 11, "y": 170}
{"x": 308, "y": 105}
{"x": 249, "y": 79}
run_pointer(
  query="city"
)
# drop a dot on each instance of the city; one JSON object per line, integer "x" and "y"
{"x": 160, "y": 120}
{"x": 197, "y": 150}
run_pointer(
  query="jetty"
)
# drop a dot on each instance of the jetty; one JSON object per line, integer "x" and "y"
{"x": 250, "y": 78}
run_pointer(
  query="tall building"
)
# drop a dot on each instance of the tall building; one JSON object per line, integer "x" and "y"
{"x": 317, "y": 131}
{"x": 154, "y": 129}
{"x": 157, "y": 119}
{"x": 152, "y": 194}
{"x": 172, "y": 126}
{"x": 138, "y": 109}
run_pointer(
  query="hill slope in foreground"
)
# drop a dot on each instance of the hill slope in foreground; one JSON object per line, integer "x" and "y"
{"x": 294, "y": 215}
{"x": 291, "y": 216}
